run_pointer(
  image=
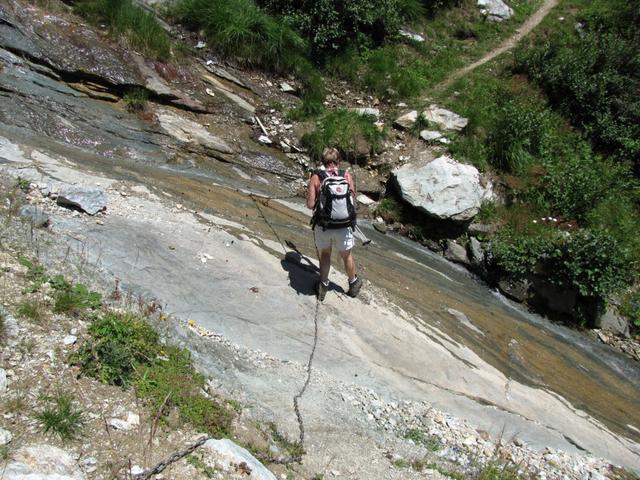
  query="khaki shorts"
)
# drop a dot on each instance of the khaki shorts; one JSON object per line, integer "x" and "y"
{"x": 341, "y": 238}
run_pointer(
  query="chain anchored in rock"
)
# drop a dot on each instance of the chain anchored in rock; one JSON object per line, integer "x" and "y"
{"x": 171, "y": 459}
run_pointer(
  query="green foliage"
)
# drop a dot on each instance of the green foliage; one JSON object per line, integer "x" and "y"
{"x": 239, "y": 29}
{"x": 23, "y": 184}
{"x": 136, "y": 99}
{"x": 488, "y": 212}
{"x": 61, "y": 418}
{"x": 617, "y": 214}
{"x": 390, "y": 209}
{"x": 418, "y": 437}
{"x": 118, "y": 343}
{"x": 127, "y": 20}
{"x": 387, "y": 75}
{"x": 499, "y": 471}
{"x": 630, "y": 307}
{"x": 35, "y": 273}
{"x": 592, "y": 76}
{"x": 293, "y": 449}
{"x": 76, "y": 298}
{"x": 171, "y": 382}
{"x": 590, "y": 262}
{"x": 333, "y": 27}
{"x": 313, "y": 93}
{"x": 343, "y": 129}
{"x": 520, "y": 135}
{"x": 577, "y": 180}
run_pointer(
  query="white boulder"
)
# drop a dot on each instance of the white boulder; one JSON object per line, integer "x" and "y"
{"x": 496, "y": 10}
{"x": 42, "y": 462}
{"x": 445, "y": 119}
{"x": 442, "y": 188}
{"x": 227, "y": 455}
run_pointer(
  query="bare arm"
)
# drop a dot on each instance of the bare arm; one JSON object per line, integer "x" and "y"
{"x": 312, "y": 191}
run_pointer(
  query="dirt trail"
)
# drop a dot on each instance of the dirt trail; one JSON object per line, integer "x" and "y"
{"x": 508, "y": 44}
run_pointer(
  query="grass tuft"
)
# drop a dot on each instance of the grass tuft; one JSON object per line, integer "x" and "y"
{"x": 61, "y": 418}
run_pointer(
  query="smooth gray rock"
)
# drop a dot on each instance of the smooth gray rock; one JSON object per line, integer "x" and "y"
{"x": 36, "y": 215}
{"x": 407, "y": 120}
{"x": 227, "y": 453}
{"x": 445, "y": 119}
{"x": 442, "y": 188}
{"x": 613, "y": 322}
{"x": 42, "y": 462}
{"x": 456, "y": 253}
{"x": 430, "y": 135}
{"x": 373, "y": 112}
{"x": 496, "y": 10}
{"x": 416, "y": 37}
{"x": 479, "y": 229}
{"x": 517, "y": 290}
{"x": 476, "y": 252}
{"x": 87, "y": 199}
{"x": 5, "y": 436}
{"x": 3, "y": 381}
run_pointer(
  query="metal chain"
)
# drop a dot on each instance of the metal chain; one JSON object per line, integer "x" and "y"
{"x": 168, "y": 461}
{"x": 296, "y": 398}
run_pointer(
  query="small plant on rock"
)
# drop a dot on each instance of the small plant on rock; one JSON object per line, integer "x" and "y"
{"x": 136, "y": 100}
{"x": 73, "y": 298}
{"x": 61, "y": 418}
{"x": 33, "y": 310}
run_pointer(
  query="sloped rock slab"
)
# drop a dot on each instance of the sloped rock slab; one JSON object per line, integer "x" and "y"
{"x": 35, "y": 215}
{"x": 442, "y": 188}
{"x": 64, "y": 45}
{"x": 89, "y": 200}
{"x": 191, "y": 132}
{"x": 42, "y": 462}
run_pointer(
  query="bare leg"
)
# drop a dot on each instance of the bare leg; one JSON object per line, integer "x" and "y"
{"x": 349, "y": 264}
{"x": 325, "y": 264}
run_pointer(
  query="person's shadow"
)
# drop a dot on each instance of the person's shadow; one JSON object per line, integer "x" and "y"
{"x": 303, "y": 277}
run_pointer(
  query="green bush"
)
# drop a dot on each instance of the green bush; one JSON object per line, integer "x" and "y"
{"x": 520, "y": 135}
{"x": 332, "y": 26}
{"x": 126, "y": 19}
{"x": 592, "y": 76}
{"x": 343, "y": 129}
{"x": 239, "y": 29}
{"x": 591, "y": 263}
{"x": 384, "y": 75}
{"x": 576, "y": 180}
{"x": 171, "y": 382}
{"x": 118, "y": 343}
{"x": 61, "y": 418}
{"x": 616, "y": 213}
{"x": 630, "y": 307}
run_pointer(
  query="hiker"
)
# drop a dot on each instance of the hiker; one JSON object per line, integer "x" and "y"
{"x": 331, "y": 194}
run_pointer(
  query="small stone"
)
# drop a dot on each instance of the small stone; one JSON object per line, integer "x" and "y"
{"x": 265, "y": 140}
{"x": 5, "y": 436}
{"x": 69, "y": 340}
{"x": 3, "y": 380}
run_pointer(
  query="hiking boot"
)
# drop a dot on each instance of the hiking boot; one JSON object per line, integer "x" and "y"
{"x": 354, "y": 287}
{"x": 322, "y": 290}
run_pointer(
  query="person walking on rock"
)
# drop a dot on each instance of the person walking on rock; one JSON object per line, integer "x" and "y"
{"x": 331, "y": 195}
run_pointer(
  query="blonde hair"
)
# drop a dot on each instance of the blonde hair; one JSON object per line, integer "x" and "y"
{"x": 329, "y": 155}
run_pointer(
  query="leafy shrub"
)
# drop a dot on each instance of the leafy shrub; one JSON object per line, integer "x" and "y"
{"x": 418, "y": 437}
{"x": 126, "y": 19}
{"x": 343, "y": 129}
{"x": 577, "y": 179}
{"x": 171, "y": 382}
{"x": 61, "y": 418}
{"x": 239, "y": 29}
{"x": 333, "y": 27}
{"x": 118, "y": 344}
{"x": 495, "y": 470}
{"x": 592, "y": 263}
{"x": 630, "y": 307}
{"x": 592, "y": 76}
{"x": 616, "y": 214}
